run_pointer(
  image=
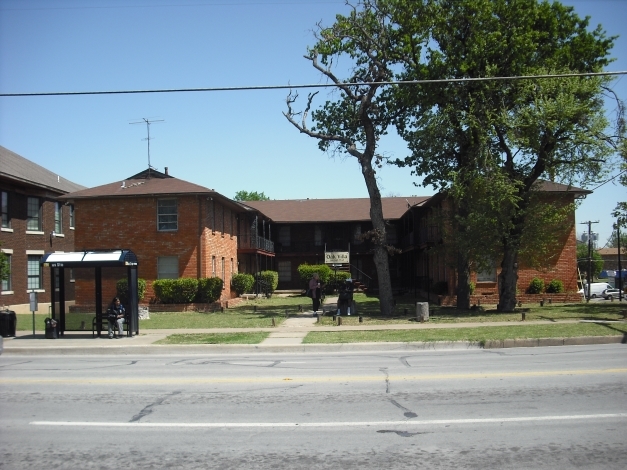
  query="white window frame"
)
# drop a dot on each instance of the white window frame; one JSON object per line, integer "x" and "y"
{"x": 30, "y": 260}
{"x": 58, "y": 217}
{"x": 4, "y": 203}
{"x": 167, "y": 220}
{"x": 6, "y": 285}
{"x": 165, "y": 267}
{"x": 30, "y": 201}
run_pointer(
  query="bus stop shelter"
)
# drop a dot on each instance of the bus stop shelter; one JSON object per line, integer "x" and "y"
{"x": 96, "y": 259}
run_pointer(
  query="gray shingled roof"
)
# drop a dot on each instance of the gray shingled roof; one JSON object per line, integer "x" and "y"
{"x": 18, "y": 168}
{"x": 141, "y": 187}
{"x": 332, "y": 210}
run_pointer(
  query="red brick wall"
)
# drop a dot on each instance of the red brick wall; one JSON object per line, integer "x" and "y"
{"x": 16, "y": 239}
{"x": 132, "y": 223}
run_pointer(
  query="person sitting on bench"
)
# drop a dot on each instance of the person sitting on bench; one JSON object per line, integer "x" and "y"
{"x": 116, "y": 316}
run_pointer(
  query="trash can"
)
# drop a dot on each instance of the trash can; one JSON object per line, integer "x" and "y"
{"x": 8, "y": 322}
{"x": 52, "y": 332}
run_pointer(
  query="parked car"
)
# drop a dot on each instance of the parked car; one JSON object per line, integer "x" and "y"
{"x": 609, "y": 294}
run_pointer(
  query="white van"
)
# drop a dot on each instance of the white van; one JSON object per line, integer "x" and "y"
{"x": 596, "y": 289}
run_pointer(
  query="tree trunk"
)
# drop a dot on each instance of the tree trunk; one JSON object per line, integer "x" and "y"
{"x": 463, "y": 282}
{"x": 508, "y": 280}
{"x": 381, "y": 262}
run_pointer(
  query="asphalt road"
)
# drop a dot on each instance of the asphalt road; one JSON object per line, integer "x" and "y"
{"x": 561, "y": 407}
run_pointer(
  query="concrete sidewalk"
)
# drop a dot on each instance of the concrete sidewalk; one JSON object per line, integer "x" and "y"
{"x": 287, "y": 337}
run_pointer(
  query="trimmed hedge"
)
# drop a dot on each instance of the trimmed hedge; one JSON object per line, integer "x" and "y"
{"x": 186, "y": 290}
{"x": 555, "y": 287}
{"x": 536, "y": 286}
{"x": 243, "y": 283}
{"x": 209, "y": 289}
{"x": 271, "y": 278}
{"x": 306, "y": 271}
{"x": 121, "y": 288}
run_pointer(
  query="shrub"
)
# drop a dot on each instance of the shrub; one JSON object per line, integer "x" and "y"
{"x": 243, "y": 283}
{"x": 472, "y": 286}
{"x": 121, "y": 288}
{"x": 536, "y": 286}
{"x": 209, "y": 289}
{"x": 306, "y": 271}
{"x": 555, "y": 287}
{"x": 271, "y": 278}
{"x": 175, "y": 291}
{"x": 336, "y": 279}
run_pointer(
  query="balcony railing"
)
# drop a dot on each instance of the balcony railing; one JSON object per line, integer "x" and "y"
{"x": 255, "y": 242}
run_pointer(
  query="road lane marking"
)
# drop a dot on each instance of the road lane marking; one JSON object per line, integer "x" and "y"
{"x": 340, "y": 378}
{"x": 331, "y": 424}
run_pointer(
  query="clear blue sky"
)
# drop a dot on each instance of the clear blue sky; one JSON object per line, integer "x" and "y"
{"x": 227, "y": 141}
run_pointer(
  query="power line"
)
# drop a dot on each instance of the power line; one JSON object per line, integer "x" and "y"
{"x": 607, "y": 181}
{"x": 318, "y": 85}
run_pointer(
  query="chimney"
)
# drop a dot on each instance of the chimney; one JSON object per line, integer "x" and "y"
{"x": 166, "y": 171}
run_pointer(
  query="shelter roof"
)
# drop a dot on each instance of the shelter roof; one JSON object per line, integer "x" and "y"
{"x": 332, "y": 210}
{"x": 17, "y": 168}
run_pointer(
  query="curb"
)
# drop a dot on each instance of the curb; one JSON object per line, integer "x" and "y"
{"x": 204, "y": 349}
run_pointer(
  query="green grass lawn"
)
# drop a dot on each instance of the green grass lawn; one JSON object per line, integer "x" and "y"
{"x": 259, "y": 312}
{"x": 478, "y": 334}
{"x": 215, "y": 338}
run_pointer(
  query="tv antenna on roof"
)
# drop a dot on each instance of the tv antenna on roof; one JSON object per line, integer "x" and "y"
{"x": 148, "y": 123}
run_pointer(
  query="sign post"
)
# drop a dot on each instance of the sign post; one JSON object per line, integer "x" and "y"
{"x": 33, "y": 306}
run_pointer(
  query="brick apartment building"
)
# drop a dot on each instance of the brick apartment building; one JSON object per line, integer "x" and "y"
{"x": 175, "y": 228}
{"x": 180, "y": 229}
{"x": 304, "y": 229}
{"x": 34, "y": 221}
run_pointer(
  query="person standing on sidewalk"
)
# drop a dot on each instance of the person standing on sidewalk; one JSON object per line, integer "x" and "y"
{"x": 116, "y": 316}
{"x": 315, "y": 289}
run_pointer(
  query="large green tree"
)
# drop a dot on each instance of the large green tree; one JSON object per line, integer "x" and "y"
{"x": 515, "y": 132}
{"x": 250, "y": 196}
{"x": 358, "y": 114}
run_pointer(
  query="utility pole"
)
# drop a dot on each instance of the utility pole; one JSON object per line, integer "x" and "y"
{"x": 148, "y": 122}
{"x": 589, "y": 274}
{"x": 620, "y": 270}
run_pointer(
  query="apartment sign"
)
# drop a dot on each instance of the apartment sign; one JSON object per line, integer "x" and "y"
{"x": 336, "y": 257}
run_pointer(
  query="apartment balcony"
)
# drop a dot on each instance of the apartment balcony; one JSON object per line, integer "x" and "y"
{"x": 254, "y": 243}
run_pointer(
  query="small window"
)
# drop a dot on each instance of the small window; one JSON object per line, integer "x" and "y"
{"x": 35, "y": 272}
{"x": 33, "y": 214}
{"x": 71, "y": 206}
{"x": 317, "y": 235}
{"x": 390, "y": 232}
{"x": 58, "y": 217}
{"x": 213, "y": 266}
{"x": 284, "y": 235}
{"x": 487, "y": 275}
{"x": 357, "y": 234}
{"x": 285, "y": 271}
{"x": 167, "y": 267}
{"x": 223, "y": 273}
{"x": 232, "y": 268}
{"x": 4, "y": 203}
{"x": 167, "y": 215}
{"x": 6, "y": 283}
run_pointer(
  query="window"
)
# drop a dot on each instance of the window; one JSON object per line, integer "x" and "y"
{"x": 33, "y": 214}
{"x": 223, "y": 273}
{"x": 167, "y": 215}
{"x": 213, "y": 266}
{"x": 317, "y": 235}
{"x": 167, "y": 267}
{"x": 58, "y": 217}
{"x": 284, "y": 235}
{"x": 4, "y": 203}
{"x": 357, "y": 234}
{"x": 232, "y": 268}
{"x": 487, "y": 275}
{"x": 35, "y": 272}
{"x": 390, "y": 231}
{"x": 71, "y": 206}
{"x": 285, "y": 271}
{"x": 6, "y": 283}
